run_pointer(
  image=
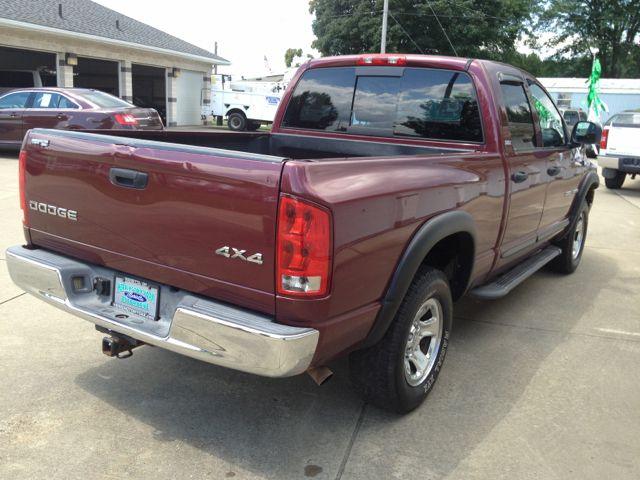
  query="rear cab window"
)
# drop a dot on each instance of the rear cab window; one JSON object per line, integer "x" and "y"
{"x": 413, "y": 102}
{"x": 626, "y": 119}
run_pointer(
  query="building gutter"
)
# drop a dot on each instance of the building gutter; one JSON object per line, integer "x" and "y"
{"x": 120, "y": 43}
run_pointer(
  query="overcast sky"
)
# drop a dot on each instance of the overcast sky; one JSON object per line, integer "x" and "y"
{"x": 245, "y": 31}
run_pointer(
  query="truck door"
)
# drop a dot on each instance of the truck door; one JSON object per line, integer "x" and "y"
{"x": 564, "y": 165}
{"x": 527, "y": 181}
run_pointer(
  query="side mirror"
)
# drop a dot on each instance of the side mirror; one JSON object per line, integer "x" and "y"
{"x": 586, "y": 133}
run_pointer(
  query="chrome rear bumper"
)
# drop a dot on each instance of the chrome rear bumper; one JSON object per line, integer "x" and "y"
{"x": 188, "y": 324}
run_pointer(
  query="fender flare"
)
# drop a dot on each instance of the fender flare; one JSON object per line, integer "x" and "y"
{"x": 427, "y": 236}
{"x": 591, "y": 178}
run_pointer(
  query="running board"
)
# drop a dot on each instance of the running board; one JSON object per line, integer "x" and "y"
{"x": 514, "y": 277}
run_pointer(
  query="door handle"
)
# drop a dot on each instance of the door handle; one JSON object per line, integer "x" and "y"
{"x": 520, "y": 177}
{"x": 553, "y": 171}
{"x": 62, "y": 116}
{"x": 15, "y": 114}
{"x": 124, "y": 177}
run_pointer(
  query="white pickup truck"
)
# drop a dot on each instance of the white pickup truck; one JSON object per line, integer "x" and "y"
{"x": 620, "y": 148}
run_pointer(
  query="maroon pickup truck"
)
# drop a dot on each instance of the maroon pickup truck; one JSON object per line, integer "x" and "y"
{"x": 389, "y": 187}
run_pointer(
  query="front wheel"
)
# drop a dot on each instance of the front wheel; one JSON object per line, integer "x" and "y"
{"x": 572, "y": 245}
{"x": 398, "y": 372}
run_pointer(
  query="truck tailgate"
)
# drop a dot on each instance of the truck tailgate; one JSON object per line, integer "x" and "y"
{"x": 623, "y": 141}
{"x": 196, "y": 201}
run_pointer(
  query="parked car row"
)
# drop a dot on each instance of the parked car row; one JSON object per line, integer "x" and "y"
{"x": 69, "y": 109}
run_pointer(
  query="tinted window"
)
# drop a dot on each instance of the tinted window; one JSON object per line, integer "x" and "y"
{"x": 103, "y": 100}
{"x": 583, "y": 116}
{"x": 52, "y": 100}
{"x": 16, "y": 79}
{"x": 571, "y": 118}
{"x": 438, "y": 104}
{"x": 434, "y": 104}
{"x": 549, "y": 117}
{"x": 518, "y": 116}
{"x": 46, "y": 100}
{"x": 14, "y": 100}
{"x": 322, "y": 100}
{"x": 374, "y": 105}
{"x": 66, "y": 103}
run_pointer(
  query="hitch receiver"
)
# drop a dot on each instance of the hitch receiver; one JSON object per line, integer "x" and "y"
{"x": 116, "y": 344}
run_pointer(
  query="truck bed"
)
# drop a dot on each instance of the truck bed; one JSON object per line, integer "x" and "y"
{"x": 279, "y": 145}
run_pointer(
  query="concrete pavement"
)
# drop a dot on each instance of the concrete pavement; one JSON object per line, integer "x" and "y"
{"x": 540, "y": 384}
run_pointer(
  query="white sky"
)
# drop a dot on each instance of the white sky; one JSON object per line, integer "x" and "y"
{"x": 246, "y": 30}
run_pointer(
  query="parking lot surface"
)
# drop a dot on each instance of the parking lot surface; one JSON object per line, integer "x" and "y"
{"x": 542, "y": 384}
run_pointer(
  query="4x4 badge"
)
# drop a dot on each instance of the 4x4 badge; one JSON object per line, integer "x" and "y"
{"x": 224, "y": 251}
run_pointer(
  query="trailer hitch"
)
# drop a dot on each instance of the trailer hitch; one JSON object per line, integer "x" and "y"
{"x": 116, "y": 344}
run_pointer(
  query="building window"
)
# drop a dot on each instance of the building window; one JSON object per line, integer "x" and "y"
{"x": 564, "y": 100}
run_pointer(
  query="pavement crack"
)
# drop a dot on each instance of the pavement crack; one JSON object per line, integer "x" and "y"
{"x": 13, "y": 298}
{"x": 548, "y": 330}
{"x": 353, "y": 440}
{"x": 625, "y": 199}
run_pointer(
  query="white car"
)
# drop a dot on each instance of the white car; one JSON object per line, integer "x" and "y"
{"x": 620, "y": 149}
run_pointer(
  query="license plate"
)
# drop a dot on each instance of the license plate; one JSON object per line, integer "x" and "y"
{"x": 135, "y": 296}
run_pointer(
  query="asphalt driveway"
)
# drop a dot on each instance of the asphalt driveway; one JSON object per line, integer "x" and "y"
{"x": 542, "y": 384}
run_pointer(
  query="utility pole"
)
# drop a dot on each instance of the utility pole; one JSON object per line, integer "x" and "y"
{"x": 383, "y": 43}
{"x": 215, "y": 67}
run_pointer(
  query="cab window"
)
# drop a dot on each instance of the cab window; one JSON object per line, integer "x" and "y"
{"x": 519, "y": 117}
{"x": 420, "y": 103}
{"x": 549, "y": 118}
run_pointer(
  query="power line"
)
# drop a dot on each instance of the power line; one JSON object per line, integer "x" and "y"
{"x": 443, "y": 30}
{"x": 405, "y": 32}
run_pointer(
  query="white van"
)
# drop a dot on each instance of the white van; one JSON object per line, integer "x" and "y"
{"x": 12, "y": 79}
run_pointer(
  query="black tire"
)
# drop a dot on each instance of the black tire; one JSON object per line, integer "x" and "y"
{"x": 236, "y": 122}
{"x": 616, "y": 182}
{"x": 385, "y": 375}
{"x": 252, "y": 127}
{"x": 572, "y": 245}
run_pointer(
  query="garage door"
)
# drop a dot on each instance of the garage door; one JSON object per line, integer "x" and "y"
{"x": 189, "y": 92}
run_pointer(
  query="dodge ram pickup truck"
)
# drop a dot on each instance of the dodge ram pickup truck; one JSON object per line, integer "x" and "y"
{"x": 389, "y": 187}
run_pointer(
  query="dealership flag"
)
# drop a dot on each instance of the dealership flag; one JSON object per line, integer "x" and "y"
{"x": 266, "y": 63}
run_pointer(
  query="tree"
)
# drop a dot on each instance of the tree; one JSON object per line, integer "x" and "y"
{"x": 608, "y": 27}
{"x": 290, "y": 54}
{"x": 478, "y": 29}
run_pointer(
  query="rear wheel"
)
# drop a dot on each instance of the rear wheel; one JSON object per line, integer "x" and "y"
{"x": 572, "y": 245}
{"x": 617, "y": 181}
{"x": 398, "y": 372}
{"x": 236, "y": 122}
{"x": 252, "y": 126}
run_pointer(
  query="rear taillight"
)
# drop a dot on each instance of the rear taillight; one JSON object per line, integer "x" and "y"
{"x": 126, "y": 119}
{"x": 303, "y": 247}
{"x": 604, "y": 139}
{"x": 23, "y": 199}
{"x": 382, "y": 59}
